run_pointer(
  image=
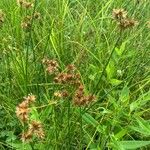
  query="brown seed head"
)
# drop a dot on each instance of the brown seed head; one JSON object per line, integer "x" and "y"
{"x": 80, "y": 98}
{"x": 51, "y": 65}
{"x": 71, "y": 68}
{"x": 61, "y": 94}
{"x": 127, "y": 23}
{"x": 28, "y": 5}
{"x": 36, "y": 128}
{"x": 24, "y": 4}
{"x": 37, "y": 15}
{"x": 119, "y": 14}
{"x": 30, "y": 98}
{"x": 22, "y": 111}
{"x": 26, "y": 25}
{"x": 26, "y": 136}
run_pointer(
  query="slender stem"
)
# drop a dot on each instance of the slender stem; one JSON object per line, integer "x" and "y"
{"x": 55, "y": 124}
{"x": 81, "y": 129}
{"x": 28, "y": 45}
{"x": 96, "y": 89}
{"x": 32, "y": 145}
{"x": 68, "y": 136}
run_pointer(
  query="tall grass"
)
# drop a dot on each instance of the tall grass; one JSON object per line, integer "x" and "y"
{"x": 114, "y": 66}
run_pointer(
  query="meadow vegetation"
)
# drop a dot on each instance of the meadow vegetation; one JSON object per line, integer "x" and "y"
{"x": 74, "y": 74}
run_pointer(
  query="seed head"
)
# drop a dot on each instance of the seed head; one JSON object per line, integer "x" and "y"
{"x": 119, "y": 14}
{"x": 24, "y": 4}
{"x": 71, "y": 68}
{"x": 37, "y": 15}
{"x": 26, "y": 136}
{"x": 69, "y": 77}
{"x": 80, "y": 98}
{"x": 51, "y": 65}
{"x": 61, "y": 94}
{"x": 36, "y": 128}
{"x": 22, "y": 111}
{"x": 128, "y": 23}
{"x": 30, "y": 98}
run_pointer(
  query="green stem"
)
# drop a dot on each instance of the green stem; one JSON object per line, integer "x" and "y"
{"x": 81, "y": 129}
{"x": 28, "y": 45}
{"x": 68, "y": 136}
{"x": 32, "y": 145}
{"x": 96, "y": 89}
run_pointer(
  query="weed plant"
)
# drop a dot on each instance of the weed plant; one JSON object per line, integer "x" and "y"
{"x": 74, "y": 74}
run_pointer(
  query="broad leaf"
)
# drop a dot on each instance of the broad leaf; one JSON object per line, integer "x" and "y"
{"x": 133, "y": 145}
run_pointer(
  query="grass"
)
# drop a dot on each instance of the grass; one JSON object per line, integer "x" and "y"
{"x": 114, "y": 66}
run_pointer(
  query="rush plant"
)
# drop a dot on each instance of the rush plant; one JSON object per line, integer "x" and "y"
{"x": 74, "y": 75}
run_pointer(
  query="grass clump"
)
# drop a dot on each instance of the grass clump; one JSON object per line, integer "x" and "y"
{"x": 87, "y": 65}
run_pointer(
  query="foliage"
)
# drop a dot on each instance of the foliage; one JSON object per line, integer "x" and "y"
{"x": 113, "y": 64}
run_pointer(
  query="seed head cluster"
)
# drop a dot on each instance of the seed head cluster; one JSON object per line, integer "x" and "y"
{"x": 61, "y": 94}
{"x": 68, "y": 78}
{"x": 80, "y": 98}
{"x": 34, "y": 127}
{"x": 25, "y": 4}
{"x": 119, "y": 14}
{"x": 22, "y": 110}
{"x": 124, "y": 22}
{"x": 26, "y": 22}
{"x": 50, "y": 65}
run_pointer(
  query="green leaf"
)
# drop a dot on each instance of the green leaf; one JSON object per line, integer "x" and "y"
{"x": 121, "y": 133}
{"x": 124, "y": 96}
{"x": 90, "y": 120}
{"x": 120, "y": 50}
{"x": 92, "y": 76}
{"x": 34, "y": 114}
{"x": 115, "y": 82}
{"x": 133, "y": 144}
{"x": 20, "y": 146}
{"x": 142, "y": 100}
{"x": 110, "y": 70}
{"x": 143, "y": 127}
